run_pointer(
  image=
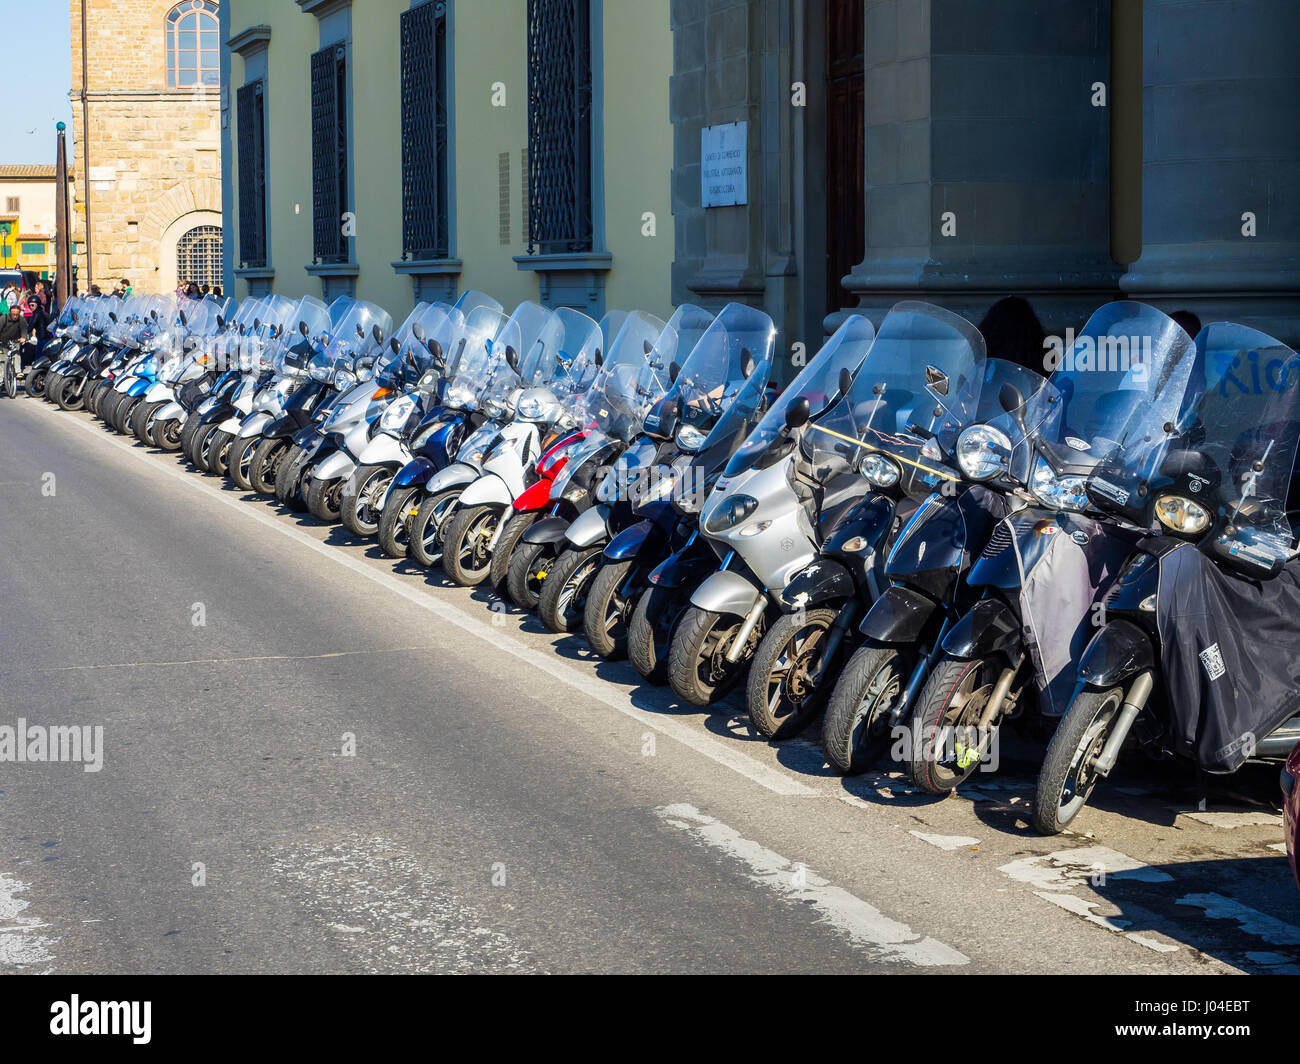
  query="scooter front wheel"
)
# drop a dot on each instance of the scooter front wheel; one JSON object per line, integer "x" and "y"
{"x": 167, "y": 434}
{"x": 239, "y": 463}
{"x": 1067, "y": 777}
{"x": 856, "y": 730}
{"x": 946, "y": 744}
{"x": 400, "y": 508}
{"x": 610, "y": 605}
{"x": 71, "y": 394}
{"x": 651, "y": 630}
{"x": 784, "y": 693}
{"x": 530, "y": 565}
{"x": 504, "y": 555}
{"x": 357, "y": 508}
{"x": 564, "y": 594}
{"x": 34, "y": 382}
{"x": 466, "y": 550}
{"x": 698, "y": 668}
{"x": 425, "y": 529}
{"x": 265, "y": 466}
{"x": 325, "y": 499}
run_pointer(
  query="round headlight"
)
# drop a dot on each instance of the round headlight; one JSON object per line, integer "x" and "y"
{"x": 983, "y": 452}
{"x": 1180, "y": 514}
{"x": 530, "y": 408}
{"x": 882, "y": 472}
{"x": 689, "y": 439}
{"x": 343, "y": 378}
{"x": 730, "y": 512}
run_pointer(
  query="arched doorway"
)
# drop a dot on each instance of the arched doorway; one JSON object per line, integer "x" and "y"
{"x": 198, "y": 256}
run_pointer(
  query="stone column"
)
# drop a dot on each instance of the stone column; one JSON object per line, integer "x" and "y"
{"x": 987, "y": 168}
{"x": 1221, "y": 156}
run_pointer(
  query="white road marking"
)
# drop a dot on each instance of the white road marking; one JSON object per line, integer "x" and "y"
{"x": 862, "y": 924}
{"x": 1251, "y": 921}
{"x": 1072, "y": 903}
{"x": 947, "y": 842}
{"x": 1232, "y": 819}
{"x": 1064, "y": 869}
{"x": 765, "y": 776}
{"x": 19, "y": 946}
{"x": 1279, "y": 846}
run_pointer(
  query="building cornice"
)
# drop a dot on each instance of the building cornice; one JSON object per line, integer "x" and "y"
{"x": 250, "y": 41}
{"x": 322, "y": 8}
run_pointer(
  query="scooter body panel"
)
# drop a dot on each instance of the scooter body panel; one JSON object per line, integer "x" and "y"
{"x": 989, "y": 628}
{"x": 727, "y": 591}
{"x": 1117, "y": 653}
{"x": 590, "y": 527}
{"x": 490, "y": 489}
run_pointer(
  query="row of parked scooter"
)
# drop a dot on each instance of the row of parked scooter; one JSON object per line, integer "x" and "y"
{"x": 915, "y": 541}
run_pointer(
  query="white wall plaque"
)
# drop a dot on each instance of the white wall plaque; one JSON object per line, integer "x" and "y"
{"x": 724, "y": 175}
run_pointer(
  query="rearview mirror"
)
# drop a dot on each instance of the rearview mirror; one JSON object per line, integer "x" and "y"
{"x": 798, "y": 413}
{"x": 378, "y": 334}
{"x": 180, "y": 314}
{"x": 600, "y": 359}
{"x": 302, "y": 328}
{"x": 221, "y": 322}
{"x": 747, "y": 363}
{"x": 435, "y": 352}
{"x": 417, "y": 330}
{"x": 512, "y": 358}
{"x": 846, "y": 380}
{"x": 396, "y": 345}
{"x": 112, "y": 317}
{"x": 648, "y": 345}
{"x": 936, "y": 380}
{"x": 673, "y": 371}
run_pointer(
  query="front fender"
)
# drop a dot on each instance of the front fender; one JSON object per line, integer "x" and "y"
{"x": 823, "y": 580}
{"x": 590, "y": 527}
{"x": 630, "y": 542}
{"x": 254, "y": 424}
{"x": 415, "y": 472}
{"x": 535, "y": 497}
{"x": 335, "y": 467}
{"x": 173, "y": 411}
{"x": 727, "y": 592}
{"x": 384, "y": 450}
{"x": 898, "y": 616}
{"x": 230, "y": 425}
{"x": 488, "y": 490}
{"x": 549, "y": 530}
{"x": 989, "y": 628}
{"x": 1119, "y": 651}
{"x": 157, "y": 392}
{"x": 454, "y": 476}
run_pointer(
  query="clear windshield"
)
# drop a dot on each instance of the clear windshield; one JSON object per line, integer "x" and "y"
{"x": 1118, "y": 385}
{"x": 1242, "y": 426}
{"x": 564, "y": 356}
{"x": 818, "y": 382}
{"x": 921, "y": 356}
{"x": 473, "y": 300}
{"x": 409, "y": 354}
{"x": 736, "y": 420}
{"x": 354, "y": 336}
{"x": 70, "y": 311}
{"x": 628, "y": 382}
{"x": 714, "y": 373}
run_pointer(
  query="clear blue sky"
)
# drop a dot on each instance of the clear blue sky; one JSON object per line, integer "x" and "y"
{"x": 37, "y": 78}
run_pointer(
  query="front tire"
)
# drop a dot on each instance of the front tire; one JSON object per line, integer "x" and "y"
{"x": 564, "y": 593}
{"x": 167, "y": 434}
{"x": 239, "y": 464}
{"x": 219, "y": 452}
{"x": 395, "y": 523}
{"x": 267, "y": 458}
{"x": 697, "y": 666}
{"x": 856, "y": 730}
{"x": 140, "y": 418}
{"x": 1066, "y": 779}
{"x": 71, "y": 394}
{"x": 953, "y": 700}
{"x": 503, "y": 556}
{"x": 780, "y": 695}
{"x": 611, "y": 601}
{"x": 652, "y": 628}
{"x": 424, "y": 543}
{"x": 285, "y": 488}
{"x": 359, "y": 493}
{"x": 325, "y": 499}
{"x": 34, "y": 382}
{"x": 466, "y": 557}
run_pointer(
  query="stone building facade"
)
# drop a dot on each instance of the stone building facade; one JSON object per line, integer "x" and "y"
{"x": 147, "y": 142}
{"x": 1071, "y": 153}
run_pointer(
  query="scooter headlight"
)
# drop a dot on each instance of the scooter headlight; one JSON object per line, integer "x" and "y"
{"x": 344, "y": 378}
{"x": 394, "y": 418}
{"x": 983, "y": 452}
{"x": 730, "y": 512}
{"x": 880, "y": 471}
{"x": 1057, "y": 493}
{"x": 530, "y": 408}
{"x": 690, "y": 439}
{"x": 1180, "y": 514}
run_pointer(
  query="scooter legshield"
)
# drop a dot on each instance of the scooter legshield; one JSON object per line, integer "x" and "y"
{"x": 335, "y": 467}
{"x": 825, "y": 580}
{"x": 253, "y": 425}
{"x": 629, "y": 543}
{"x": 173, "y": 411}
{"x": 898, "y": 616}
{"x": 590, "y": 527}
{"x": 989, "y": 628}
{"x": 547, "y": 531}
{"x": 454, "y": 476}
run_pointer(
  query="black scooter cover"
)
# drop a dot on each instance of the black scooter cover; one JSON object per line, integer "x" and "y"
{"x": 1231, "y": 656}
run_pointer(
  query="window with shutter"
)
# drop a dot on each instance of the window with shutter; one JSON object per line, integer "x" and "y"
{"x": 251, "y": 118}
{"x": 329, "y": 150}
{"x": 424, "y": 132}
{"x": 559, "y": 126}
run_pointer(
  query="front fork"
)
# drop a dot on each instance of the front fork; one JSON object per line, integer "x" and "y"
{"x": 1134, "y": 702}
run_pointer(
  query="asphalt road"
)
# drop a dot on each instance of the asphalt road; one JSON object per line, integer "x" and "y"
{"x": 352, "y": 767}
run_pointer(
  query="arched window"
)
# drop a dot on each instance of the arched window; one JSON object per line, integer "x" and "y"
{"x": 198, "y": 256}
{"x": 193, "y": 53}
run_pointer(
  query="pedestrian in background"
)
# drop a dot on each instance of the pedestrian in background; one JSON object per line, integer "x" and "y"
{"x": 1013, "y": 332}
